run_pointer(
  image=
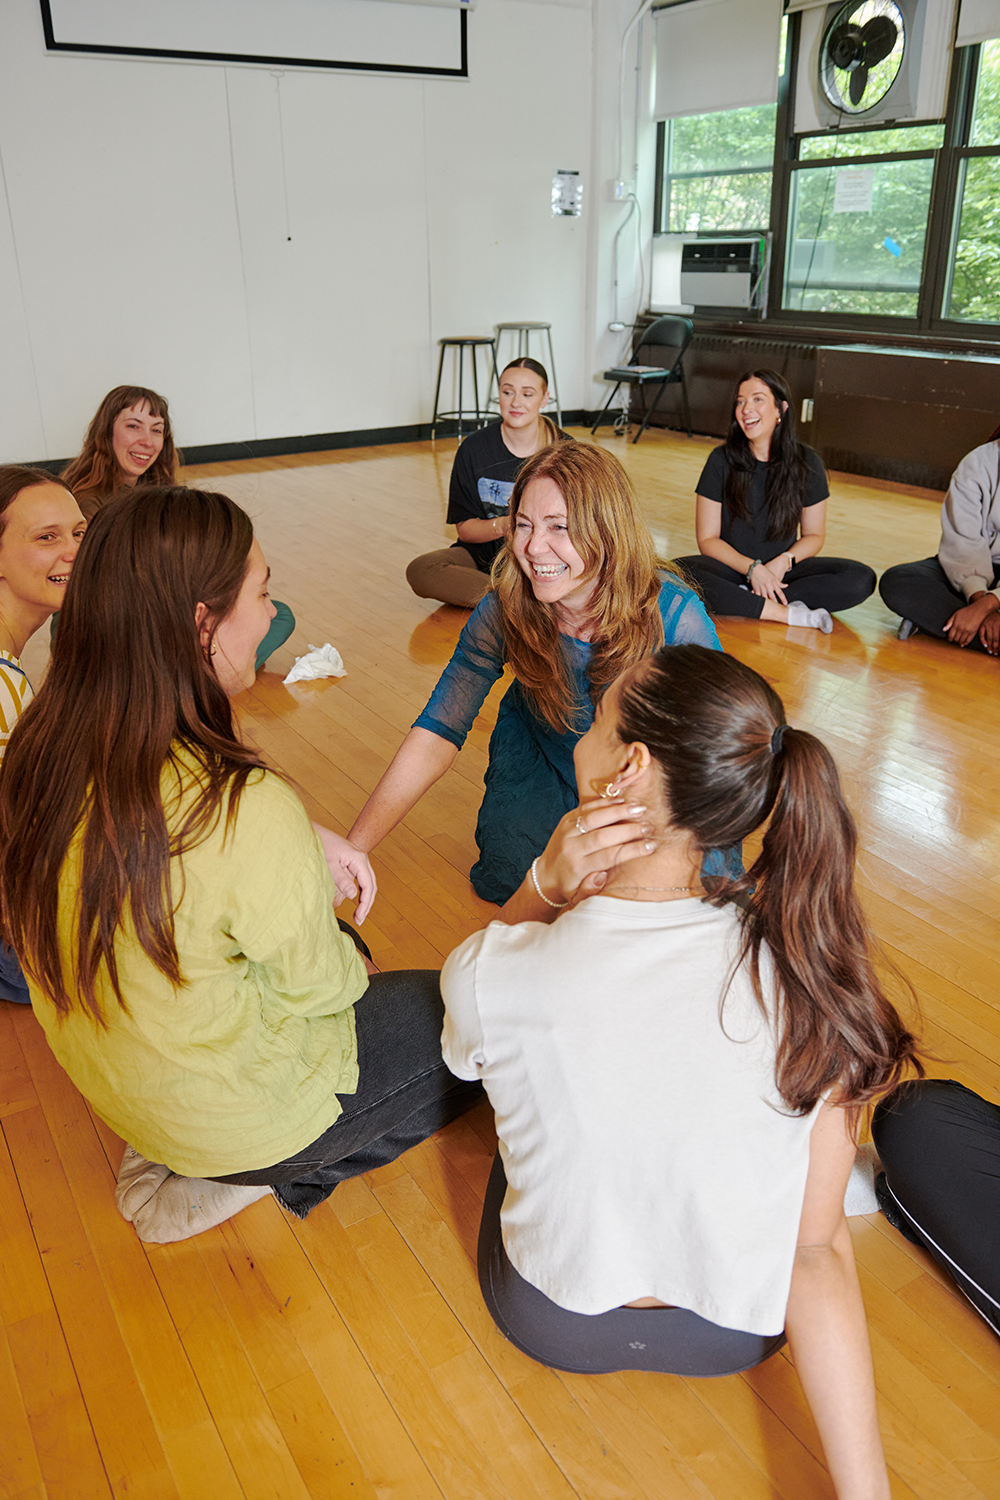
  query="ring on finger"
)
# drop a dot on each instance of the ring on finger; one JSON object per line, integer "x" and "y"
{"x": 581, "y": 826}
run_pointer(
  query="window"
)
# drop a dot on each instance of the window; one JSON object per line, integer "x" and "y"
{"x": 714, "y": 171}
{"x": 857, "y": 232}
{"x": 717, "y": 171}
{"x": 973, "y": 289}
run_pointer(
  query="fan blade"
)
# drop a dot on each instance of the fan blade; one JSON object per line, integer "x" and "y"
{"x": 858, "y": 80}
{"x": 878, "y": 38}
{"x": 845, "y": 46}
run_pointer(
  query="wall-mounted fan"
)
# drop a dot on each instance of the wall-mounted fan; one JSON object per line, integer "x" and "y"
{"x": 861, "y": 54}
{"x": 869, "y": 61}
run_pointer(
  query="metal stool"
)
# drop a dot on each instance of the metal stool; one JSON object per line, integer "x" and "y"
{"x": 461, "y": 344}
{"x": 524, "y": 332}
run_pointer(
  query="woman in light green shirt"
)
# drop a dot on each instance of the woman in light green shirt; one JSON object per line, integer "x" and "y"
{"x": 173, "y": 905}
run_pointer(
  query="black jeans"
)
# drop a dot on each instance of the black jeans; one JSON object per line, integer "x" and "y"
{"x": 940, "y": 1146}
{"x": 405, "y": 1093}
{"x": 921, "y": 592}
{"x": 830, "y": 583}
{"x": 669, "y": 1340}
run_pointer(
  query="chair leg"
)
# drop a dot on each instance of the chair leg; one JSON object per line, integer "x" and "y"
{"x": 650, "y": 410}
{"x": 684, "y": 392}
{"x": 475, "y": 383}
{"x": 437, "y": 392}
{"x": 604, "y": 408}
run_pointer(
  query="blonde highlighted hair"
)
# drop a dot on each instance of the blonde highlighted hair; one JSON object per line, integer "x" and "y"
{"x": 606, "y": 528}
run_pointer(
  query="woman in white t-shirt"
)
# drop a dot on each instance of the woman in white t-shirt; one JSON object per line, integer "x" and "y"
{"x": 676, "y": 1078}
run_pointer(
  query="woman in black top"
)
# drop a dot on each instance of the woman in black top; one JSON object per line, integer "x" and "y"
{"x": 761, "y": 520}
{"x": 486, "y": 466}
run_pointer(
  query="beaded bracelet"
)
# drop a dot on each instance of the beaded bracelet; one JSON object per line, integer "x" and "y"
{"x": 558, "y": 905}
{"x": 755, "y": 564}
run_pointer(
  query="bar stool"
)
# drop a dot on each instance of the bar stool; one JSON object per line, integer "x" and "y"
{"x": 462, "y": 344}
{"x": 524, "y": 332}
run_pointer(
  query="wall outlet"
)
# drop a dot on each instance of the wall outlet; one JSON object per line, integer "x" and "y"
{"x": 807, "y": 410}
{"x": 616, "y": 327}
{"x": 620, "y": 191}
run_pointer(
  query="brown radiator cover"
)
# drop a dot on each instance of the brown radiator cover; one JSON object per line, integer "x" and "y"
{"x": 906, "y": 415}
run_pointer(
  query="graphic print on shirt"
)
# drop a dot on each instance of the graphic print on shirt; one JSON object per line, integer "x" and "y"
{"x": 495, "y": 495}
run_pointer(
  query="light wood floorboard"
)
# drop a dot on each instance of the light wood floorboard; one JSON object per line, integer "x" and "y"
{"x": 351, "y": 1355}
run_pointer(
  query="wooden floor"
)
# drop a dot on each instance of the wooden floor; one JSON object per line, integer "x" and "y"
{"x": 351, "y": 1354}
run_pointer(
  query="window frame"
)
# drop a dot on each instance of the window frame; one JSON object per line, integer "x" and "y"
{"x": 661, "y": 197}
{"x": 942, "y": 213}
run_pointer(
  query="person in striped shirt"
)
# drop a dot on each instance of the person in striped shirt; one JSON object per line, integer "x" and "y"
{"x": 41, "y": 527}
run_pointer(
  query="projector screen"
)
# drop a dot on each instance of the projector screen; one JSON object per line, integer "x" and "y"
{"x": 395, "y": 36}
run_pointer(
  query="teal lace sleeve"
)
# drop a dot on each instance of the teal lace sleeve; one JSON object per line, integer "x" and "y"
{"x": 685, "y": 619}
{"x": 474, "y": 668}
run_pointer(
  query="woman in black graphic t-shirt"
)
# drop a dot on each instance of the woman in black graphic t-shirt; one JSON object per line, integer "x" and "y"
{"x": 761, "y": 520}
{"x": 486, "y": 466}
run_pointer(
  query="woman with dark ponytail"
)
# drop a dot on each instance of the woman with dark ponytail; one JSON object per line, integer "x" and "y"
{"x": 677, "y": 1063}
{"x": 761, "y": 519}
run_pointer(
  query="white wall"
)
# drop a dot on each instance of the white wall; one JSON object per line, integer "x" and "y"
{"x": 144, "y": 232}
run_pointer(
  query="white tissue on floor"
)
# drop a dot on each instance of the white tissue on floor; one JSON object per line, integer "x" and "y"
{"x": 319, "y": 661}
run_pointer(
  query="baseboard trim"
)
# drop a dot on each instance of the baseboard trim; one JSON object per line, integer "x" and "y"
{"x": 314, "y": 442}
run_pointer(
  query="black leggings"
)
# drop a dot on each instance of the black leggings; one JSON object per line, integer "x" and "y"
{"x": 669, "y": 1340}
{"x": 830, "y": 583}
{"x": 819, "y": 584}
{"x": 940, "y": 1147}
{"x": 921, "y": 592}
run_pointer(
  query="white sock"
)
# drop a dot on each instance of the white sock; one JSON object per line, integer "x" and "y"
{"x": 138, "y": 1180}
{"x": 184, "y": 1206}
{"x": 860, "y": 1196}
{"x": 817, "y": 619}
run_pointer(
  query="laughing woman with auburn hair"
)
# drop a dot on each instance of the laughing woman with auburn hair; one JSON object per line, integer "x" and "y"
{"x": 575, "y": 599}
{"x": 129, "y": 442}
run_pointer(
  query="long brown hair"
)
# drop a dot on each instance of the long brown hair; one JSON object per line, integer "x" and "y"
{"x": 606, "y": 528}
{"x": 129, "y": 685}
{"x": 551, "y": 432}
{"x": 788, "y": 471}
{"x": 95, "y": 476}
{"x": 710, "y": 724}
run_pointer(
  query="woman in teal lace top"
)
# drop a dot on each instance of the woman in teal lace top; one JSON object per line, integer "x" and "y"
{"x": 575, "y": 599}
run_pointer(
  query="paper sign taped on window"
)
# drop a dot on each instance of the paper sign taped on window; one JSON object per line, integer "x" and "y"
{"x": 853, "y": 187}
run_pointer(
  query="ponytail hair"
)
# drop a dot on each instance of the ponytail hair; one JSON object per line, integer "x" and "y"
{"x": 729, "y": 761}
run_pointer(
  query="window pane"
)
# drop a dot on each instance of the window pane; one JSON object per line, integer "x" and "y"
{"x": 858, "y": 261}
{"x": 719, "y": 142}
{"x": 986, "y": 113}
{"x": 975, "y": 285}
{"x": 714, "y": 203}
{"x": 870, "y": 142}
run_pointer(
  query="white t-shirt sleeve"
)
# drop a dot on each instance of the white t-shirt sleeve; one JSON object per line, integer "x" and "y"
{"x": 462, "y": 1038}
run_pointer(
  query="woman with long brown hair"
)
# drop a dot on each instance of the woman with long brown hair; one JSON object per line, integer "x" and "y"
{"x": 677, "y": 1064}
{"x": 761, "y": 519}
{"x": 171, "y": 903}
{"x": 130, "y": 443}
{"x": 575, "y": 599}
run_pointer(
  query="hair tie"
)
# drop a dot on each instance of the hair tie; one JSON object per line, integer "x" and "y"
{"x": 778, "y": 739}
